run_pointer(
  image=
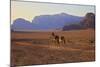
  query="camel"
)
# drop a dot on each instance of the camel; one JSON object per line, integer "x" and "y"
{"x": 56, "y": 39}
{"x": 63, "y": 41}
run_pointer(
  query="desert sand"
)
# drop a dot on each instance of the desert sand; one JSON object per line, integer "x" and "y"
{"x": 35, "y": 48}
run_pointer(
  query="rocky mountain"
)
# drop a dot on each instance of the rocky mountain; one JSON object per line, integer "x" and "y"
{"x": 87, "y": 22}
{"x": 21, "y": 24}
{"x": 46, "y": 22}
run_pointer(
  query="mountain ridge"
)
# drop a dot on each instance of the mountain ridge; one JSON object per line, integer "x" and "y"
{"x": 45, "y": 22}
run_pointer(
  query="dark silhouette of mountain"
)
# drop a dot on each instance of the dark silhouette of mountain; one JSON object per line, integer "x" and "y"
{"x": 87, "y": 22}
{"x": 72, "y": 27}
{"x": 45, "y": 22}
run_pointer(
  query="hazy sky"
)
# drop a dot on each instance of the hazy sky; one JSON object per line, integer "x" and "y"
{"x": 28, "y": 10}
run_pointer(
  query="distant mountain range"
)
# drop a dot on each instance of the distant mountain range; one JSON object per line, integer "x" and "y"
{"x": 87, "y": 22}
{"x": 46, "y": 22}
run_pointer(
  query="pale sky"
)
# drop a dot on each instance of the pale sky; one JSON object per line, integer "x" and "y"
{"x": 28, "y": 10}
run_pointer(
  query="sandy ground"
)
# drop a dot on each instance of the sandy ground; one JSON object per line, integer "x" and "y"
{"x": 34, "y": 48}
